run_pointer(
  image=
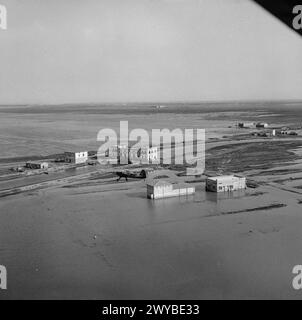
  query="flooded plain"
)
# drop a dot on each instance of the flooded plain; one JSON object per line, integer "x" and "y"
{"x": 105, "y": 240}
{"x": 94, "y": 243}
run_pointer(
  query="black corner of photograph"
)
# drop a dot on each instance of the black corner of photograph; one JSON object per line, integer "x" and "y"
{"x": 288, "y": 12}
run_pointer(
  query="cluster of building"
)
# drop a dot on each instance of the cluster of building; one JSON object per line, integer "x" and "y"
{"x": 135, "y": 155}
{"x": 249, "y": 125}
{"x": 171, "y": 187}
{"x": 286, "y": 132}
{"x": 69, "y": 157}
{"x": 271, "y": 133}
{"x": 265, "y": 133}
{"x": 117, "y": 154}
{"x": 274, "y": 133}
{"x": 156, "y": 188}
{"x": 36, "y": 165}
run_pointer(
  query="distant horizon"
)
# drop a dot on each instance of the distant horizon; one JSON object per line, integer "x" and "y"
{"x": 155, "y": 103}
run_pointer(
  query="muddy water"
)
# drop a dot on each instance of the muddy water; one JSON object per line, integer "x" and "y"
{"x": 91, "y": 243}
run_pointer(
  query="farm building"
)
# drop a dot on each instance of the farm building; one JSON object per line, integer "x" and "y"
{"x": 76, "y": 157}
{"x": 124, "y": 154}
{"x": 143, "y": 154}
{"x": 225, "y": 183}
{"x": 158, "y": 189}
{"x": 165, "y": 184}
{"x": 246, "y": 125}
{"x": 262, "y": 125}
{"x": 36, "y": 165}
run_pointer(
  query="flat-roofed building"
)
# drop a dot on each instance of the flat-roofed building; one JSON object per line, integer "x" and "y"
{"x": 246, "y": 125}
{"x": 36, "y": 165}
{"x": 126, "y": 154}
{"x": 76, "y": 157}
{"x": 165, "y": 184}
{"x": 262, "y": 125}
{"x": 158, "y": 189}
{"x": 144, "y": 154}
{"x": 225, "y": 183}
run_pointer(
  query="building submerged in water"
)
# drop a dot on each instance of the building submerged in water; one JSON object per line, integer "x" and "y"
{"x": 167, "y": 187}
{"x": 225, "y": 183}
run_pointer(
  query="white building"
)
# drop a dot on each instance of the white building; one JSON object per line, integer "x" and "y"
{"x": 126, "y": 154}
{"x": 158, "y": 189}
{"x": 246, "y": 125}
{"x": 225, "y": 183}
{"x": 147, "y": 154}
{"x": 76, "y": 157}
{"x": 262, "y": 125}
{"x": 165, "y": 183}
{"x": 36, "y": 165}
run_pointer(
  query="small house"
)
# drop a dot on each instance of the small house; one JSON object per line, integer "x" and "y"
{"x": 246, "y": 125}
{"x": 76, "y": 157}
{"x": 165, "y": 184}
{"x": 225, "y": 183}
{"x": 262, "y": 125}
{"x": 35, "y": 165}
{"x": 158, "y": 189}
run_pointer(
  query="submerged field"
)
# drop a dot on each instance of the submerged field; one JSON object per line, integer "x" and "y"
{"x": 93, "y": 237}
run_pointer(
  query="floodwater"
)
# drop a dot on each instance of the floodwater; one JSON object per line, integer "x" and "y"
{"x": 93, "y": 243}
{"x": 109, "y": 242}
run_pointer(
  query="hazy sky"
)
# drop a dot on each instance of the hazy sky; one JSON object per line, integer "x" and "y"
{"x": 146, "y": 50}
